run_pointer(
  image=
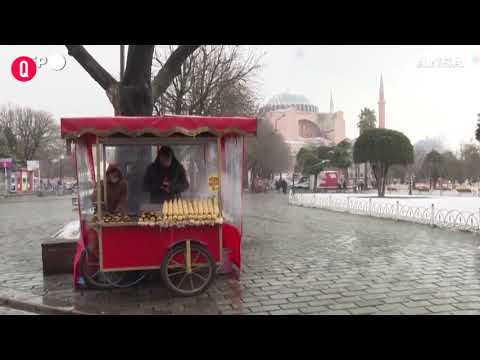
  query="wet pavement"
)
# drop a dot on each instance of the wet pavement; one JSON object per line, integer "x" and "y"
{"x": 9, "y": 311}
{"x": 295, "y": 261}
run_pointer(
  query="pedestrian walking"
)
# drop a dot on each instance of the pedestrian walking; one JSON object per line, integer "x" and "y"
{"x": 284, "y": 186}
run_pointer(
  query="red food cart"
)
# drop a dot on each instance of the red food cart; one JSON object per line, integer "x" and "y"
{"x": 184, "y": 240}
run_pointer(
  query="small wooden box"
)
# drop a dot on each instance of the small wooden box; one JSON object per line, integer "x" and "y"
{"x": 57, "y": 256}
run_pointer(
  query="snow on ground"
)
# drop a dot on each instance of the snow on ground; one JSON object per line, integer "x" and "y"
{"x": 70, "y": 231}
{"x": 449, "y": 202}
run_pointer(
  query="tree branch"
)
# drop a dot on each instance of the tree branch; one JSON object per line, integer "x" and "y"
{"x": 171, "y": 69}
{"x": 96, "y": 71}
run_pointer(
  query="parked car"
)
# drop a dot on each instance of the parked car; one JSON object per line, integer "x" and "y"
{"x": 422, "y": 187}
{"x": 302, "y": 183}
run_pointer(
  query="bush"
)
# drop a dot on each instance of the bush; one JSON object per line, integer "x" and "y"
{"x": 382, "y": 148}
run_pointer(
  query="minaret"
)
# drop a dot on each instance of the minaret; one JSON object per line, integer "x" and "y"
{"x": 381, "y": 106}
{"x": 331, "y": 102}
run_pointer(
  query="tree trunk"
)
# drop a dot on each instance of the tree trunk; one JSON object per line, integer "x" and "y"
{"x": 315, "y": 178}
{"x": 365, "y": 176}
{"x": 384, "y": 170}
{"x": 133, "y": 101}
{"x": 380, "y": 174}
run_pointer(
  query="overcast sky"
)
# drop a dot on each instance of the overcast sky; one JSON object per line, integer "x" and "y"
{"x": 421, "y": 102}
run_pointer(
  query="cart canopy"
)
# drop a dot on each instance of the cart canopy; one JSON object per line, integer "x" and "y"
{"x": 162, "y": 126}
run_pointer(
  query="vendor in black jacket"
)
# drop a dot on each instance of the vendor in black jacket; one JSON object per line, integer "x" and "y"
{"x": 165, "y": 178}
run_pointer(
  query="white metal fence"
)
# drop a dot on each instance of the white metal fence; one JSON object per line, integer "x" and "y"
{"x": 445, "y": 218}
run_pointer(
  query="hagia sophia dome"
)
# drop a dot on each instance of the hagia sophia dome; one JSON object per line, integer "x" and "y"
{"x": 285, "y": 101}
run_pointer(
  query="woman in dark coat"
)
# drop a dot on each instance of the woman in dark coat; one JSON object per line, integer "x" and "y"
{"x": 165, "y": 178}
{"x": 117, "y": 197}
{"x": 117, "y": 191}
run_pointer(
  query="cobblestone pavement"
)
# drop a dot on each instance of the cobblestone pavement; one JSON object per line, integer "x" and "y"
{"x": 295, "y": 261}
{"x": 24, "y": 223}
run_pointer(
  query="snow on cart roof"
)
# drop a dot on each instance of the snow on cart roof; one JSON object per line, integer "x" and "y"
{"x": 134, "y": 126}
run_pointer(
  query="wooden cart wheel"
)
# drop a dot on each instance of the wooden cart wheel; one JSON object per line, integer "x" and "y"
{"x": 94, "y": 277}
{"x": 175, "y": 275}
{"x": 90, "y": 270}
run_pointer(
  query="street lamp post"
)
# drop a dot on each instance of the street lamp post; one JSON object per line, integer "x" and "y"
{"x": 6, "y": 180}
{"x": 61, "y": 168}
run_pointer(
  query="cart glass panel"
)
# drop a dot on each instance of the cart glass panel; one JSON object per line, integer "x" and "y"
{"x": 232, "y": 180}
{"x": 85, "y": 164}
{"x": 146, "y": 178}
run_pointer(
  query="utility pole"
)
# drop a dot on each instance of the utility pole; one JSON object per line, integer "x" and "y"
{"x": 122, "y": 61}
{"x": 61, "y": 168}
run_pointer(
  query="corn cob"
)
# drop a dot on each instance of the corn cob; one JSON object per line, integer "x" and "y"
{"x": 190, "y": 209}
{"x": 180, "y": 207}
{"x": 202, "y": 209}
{"x": 185, "y": 208}
{"x": 175, "y": 210}
{"x": 216, "y": 210}
{"x": 165, "y": 208}
{"x": 196, "y": 209}
{"x": 210, "y": 208}
{"x": 169, "y": 208}
{"x": 207, "y": 210}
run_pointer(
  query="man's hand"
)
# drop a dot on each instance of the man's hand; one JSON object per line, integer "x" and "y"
{"x": 166, "y": 188}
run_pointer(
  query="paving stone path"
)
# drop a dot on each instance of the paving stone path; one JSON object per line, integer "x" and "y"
{"x": 295, "y": 261}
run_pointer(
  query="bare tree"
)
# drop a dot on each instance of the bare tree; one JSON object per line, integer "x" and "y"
{"x": 267, "y": 152}
{"x": 26, "y": 130}
{"x": 215, "y": 80}
{"x": 137, "y": 91}
{"x": 421, "y": 149}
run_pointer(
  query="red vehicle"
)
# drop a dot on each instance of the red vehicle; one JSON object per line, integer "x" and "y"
{"x": 329, "y": 180}
{"x": 185, "y": 242}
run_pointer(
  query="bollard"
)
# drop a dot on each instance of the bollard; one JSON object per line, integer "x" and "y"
{"x": 348, "y": 204}
{"x": 396, "y": 210}
{"x": 330, "y": 201}
{"x": 432, "y": 220}
{"x": 370, "y": 206}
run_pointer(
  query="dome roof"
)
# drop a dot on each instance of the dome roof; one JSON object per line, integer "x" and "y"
{"x": 285, "y": 101}
{"x": 286, "y": 98}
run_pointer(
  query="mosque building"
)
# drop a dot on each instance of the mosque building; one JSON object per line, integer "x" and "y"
{"x": 302, "y": 124}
